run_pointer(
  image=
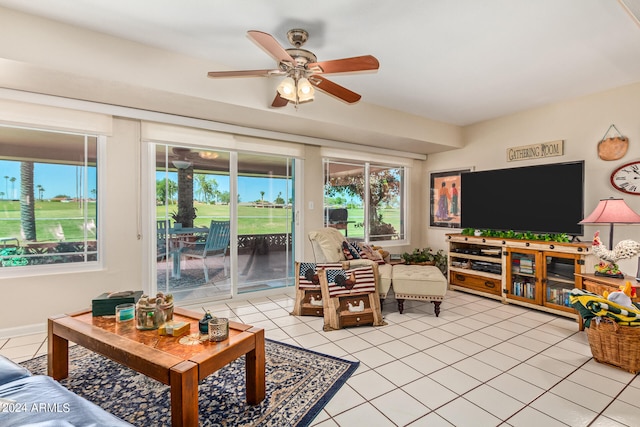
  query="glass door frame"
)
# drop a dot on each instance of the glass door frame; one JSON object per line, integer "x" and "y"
{"x": 535, "y": 276}
{"x": 148, "y": 227}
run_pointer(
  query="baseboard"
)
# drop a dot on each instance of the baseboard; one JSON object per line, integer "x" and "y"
{"x": 18, "y": 331}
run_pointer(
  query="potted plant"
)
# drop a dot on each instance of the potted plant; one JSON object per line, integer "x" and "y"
{"x": 184, "y": 218}
{"x": 426, "y": 256}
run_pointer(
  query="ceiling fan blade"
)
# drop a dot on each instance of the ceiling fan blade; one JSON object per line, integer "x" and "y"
{"x": 334, "y": 89}
{"x": 245, "y": 73}
{"x": 271, "y": 46}
{"x": 279, "y": 101}
{"x": 347, "y": 65}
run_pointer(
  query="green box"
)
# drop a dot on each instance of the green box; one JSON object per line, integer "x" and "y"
{"x": 104, "y": 305}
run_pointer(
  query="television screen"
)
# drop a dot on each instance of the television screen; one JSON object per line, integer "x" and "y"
{"x": 538, "y": 199}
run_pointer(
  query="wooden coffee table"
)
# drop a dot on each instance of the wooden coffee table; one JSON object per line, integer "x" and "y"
{"x": 162, "y": 358}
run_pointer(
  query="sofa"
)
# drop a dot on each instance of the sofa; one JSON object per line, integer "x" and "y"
{"x": 39, "y": 400}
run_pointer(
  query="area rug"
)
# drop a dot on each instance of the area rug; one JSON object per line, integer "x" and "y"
{"x": 299, "y": 383}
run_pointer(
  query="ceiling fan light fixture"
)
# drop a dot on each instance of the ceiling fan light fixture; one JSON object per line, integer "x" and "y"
{"x": 181, "y": 164}
{"x": 208, "y": 155}
{"x": 305, "y": 90}
{"x": 287, "y": 89}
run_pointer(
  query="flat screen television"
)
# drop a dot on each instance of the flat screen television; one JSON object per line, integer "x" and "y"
{"x": 539, "y": 199}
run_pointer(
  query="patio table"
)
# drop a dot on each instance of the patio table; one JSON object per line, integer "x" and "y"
{"x": 179, "y": 236}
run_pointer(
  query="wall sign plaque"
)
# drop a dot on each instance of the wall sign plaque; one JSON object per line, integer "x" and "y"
{"x": 536, "y": 151}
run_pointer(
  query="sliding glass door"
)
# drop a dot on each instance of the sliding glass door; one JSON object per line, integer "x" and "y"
{"x": 192, "y": 190}
{"x": 223, "y": 222}
{"x": 265, "y": 227}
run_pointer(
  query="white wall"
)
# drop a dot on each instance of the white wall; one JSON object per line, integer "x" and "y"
{"x": 581, "y": 123}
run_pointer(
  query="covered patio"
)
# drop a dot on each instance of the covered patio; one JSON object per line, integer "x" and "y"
{"x": 264, "y": 262}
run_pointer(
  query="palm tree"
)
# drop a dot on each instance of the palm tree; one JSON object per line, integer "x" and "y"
{"x": 6, "y": 185}
{"x": 207, "y": 188}
{"x": 186, "y": 211}
{"x": 166, "y": 190}
{"x": 262, "y": 197}
{"x": 27, "y": 202}
{"x": 201, "y": 180}
{"x": 279, "y": 200}
{"x": 213, "y": 189}
{"x": 13, "y": 186}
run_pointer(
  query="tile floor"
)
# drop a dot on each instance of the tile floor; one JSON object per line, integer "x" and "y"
{"x": 481, "y": 363}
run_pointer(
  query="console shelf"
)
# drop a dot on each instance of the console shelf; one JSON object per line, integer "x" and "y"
{"x": 531, "y": 273}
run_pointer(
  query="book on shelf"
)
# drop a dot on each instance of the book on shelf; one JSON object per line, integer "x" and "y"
{"x": 559, "y": 296}
{"x": 524, "y": 290}
{"x": 526, "y": 266}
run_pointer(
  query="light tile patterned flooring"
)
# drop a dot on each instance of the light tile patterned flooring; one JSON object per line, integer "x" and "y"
{"x": 481, "y": 363}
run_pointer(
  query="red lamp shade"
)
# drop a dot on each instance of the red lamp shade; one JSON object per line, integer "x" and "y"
{"x": 612, "y": 211}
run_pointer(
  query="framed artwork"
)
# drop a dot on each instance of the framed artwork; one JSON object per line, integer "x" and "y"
{"x": 445, "y": 199}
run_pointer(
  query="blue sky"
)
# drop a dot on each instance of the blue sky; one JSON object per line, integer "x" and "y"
{"x": 55, "y": 179}
{"x": 61, "y": 180}
{"x": 249, "y": 188}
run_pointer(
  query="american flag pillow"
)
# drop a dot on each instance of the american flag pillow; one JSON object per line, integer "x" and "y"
{"x": 350, "y": 250}
{"x": 354, "y": 281}
{"x": 307, "y": 270}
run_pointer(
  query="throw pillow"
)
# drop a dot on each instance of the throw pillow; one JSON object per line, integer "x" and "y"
{"x": 369, "y": 252}
{"x": 349, "y": 252}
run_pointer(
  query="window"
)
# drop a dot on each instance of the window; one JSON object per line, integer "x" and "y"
{"x": 365, "y": 200}
{"x": 48, "y": 198}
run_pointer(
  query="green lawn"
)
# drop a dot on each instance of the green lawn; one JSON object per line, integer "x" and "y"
{"x": 251, "y": 220}
{"x": 54, "y": 219}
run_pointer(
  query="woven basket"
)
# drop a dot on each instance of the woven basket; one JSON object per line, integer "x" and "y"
{"x": 615, "y": 344}
{"x": 598, "y": 288}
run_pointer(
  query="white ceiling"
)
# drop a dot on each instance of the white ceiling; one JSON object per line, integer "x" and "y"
{"x": 459, "y": 62}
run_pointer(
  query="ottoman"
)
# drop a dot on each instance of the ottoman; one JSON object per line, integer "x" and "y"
{"x": 420, "y": 283}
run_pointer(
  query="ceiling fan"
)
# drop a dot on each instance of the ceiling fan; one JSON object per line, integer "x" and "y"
{"x": 302, "y": 70}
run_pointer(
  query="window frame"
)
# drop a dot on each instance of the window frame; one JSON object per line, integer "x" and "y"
{"x": 100, "y": 187}
{"x": 403, "y": 195}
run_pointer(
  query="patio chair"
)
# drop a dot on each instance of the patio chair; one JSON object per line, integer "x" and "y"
{"x": 161, "y": 239}
{"x": 216, "y": 244}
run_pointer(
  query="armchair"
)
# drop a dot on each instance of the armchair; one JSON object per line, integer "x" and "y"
{"x": 327, "y": 248}
{"x": 216, "y": 244}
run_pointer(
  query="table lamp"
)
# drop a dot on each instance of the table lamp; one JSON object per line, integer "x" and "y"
{"x": 612, "y": 211}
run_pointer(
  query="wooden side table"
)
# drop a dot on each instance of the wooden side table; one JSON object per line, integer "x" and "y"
{"x": 598, "y": 284}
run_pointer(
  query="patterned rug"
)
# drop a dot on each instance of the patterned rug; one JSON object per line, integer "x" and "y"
{"x": 299, "y": 383}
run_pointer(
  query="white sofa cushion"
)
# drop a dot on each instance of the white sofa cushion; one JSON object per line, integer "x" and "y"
{"x": 327, "y": 245}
